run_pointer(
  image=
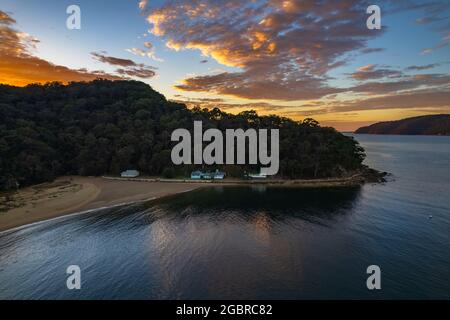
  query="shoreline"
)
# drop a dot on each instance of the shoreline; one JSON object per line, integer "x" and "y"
{"x": 74, "y": 214}
{"x": 77, "y": 195}
{"x": 356, "y": 179}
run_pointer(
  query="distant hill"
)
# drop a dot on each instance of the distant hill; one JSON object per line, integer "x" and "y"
{"x": 424, "y": 125}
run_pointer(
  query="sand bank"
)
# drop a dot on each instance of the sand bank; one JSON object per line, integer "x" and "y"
{"x": 69, "y": 195}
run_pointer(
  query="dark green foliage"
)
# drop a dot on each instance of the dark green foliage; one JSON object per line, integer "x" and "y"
{"x": 168, "y": 173}
{"x": 105, "y": 127}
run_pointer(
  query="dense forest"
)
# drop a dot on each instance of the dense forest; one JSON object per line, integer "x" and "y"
{"x": 105, "y": 127}
{"x": 423, "y": 125}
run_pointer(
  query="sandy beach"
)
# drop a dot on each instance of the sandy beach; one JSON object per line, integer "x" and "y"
{"x": 68, "y": 195}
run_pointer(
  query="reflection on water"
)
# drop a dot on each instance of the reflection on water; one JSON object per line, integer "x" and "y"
{"x": 243, "y": 203}
{"x": 251, "y": 242}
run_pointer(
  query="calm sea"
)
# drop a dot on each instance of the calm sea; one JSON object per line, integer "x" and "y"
{"x": 255, "y": 243}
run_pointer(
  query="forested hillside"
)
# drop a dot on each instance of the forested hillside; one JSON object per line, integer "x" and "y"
{"x": 104, "y": 127}
{"x": 424, "y": 125}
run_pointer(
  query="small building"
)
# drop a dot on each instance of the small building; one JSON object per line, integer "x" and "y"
{"x": 130, "y": 174}
{"x": 207, "y": 176}
{"x": 197, "y": 175}
{"x": 219, "y": 175}
{"x": 200, "y": 175}
{"x": 257, "y": 176}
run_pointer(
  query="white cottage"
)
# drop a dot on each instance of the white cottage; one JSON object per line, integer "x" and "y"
{"x": 130, "y": 174}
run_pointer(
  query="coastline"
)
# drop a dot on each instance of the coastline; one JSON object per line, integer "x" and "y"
{"x": 73, "y": 195}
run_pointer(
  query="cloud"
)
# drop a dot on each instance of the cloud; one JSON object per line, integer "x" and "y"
{"x": 142, "y": 4}
{"x": 261, "y": 107}
{"x": 113, "y": 61}
{"x": 148, "y": 52}
{"x": 129, "y": 67}
{"x": 23, "y": 70}
{"x": 372, "y": 50}
{"x": 19, "y": 66}
{"x": 371, "y": 71}
{"x": 284, "y": 48}
{"x": 423, "y": 101}
{"x": 433, "y": 11}
{"x": 207, "y": 103}
{"x": 435, "y": 81}
{"x": 429, "y": 19}
{"x": 5, "y": 19}
{"x": 408, "y": 100}
{"x": 424, "y": 67}
{"x": 137, "y": 52}
{"x": 254, "y": 85}
{"x": 139, "y": 72}
{"x": 445, "y": 42}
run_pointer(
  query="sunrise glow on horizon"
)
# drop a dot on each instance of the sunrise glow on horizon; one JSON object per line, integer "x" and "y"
{"x": 293, "y": 58}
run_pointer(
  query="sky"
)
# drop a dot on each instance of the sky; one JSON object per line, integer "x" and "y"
{"x": 293, "y": 58}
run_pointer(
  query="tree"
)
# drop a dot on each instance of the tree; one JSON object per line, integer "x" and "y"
{"x": 105, "y": 127}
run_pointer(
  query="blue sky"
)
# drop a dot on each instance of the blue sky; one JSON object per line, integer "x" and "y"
{"x": 112, "y": 27}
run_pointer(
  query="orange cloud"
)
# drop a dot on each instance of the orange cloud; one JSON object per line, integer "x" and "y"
{"x": 21, "y": 71}
{"x": 19, "y": 67}
{"x": 283, "y": 53}
{"x": 371, "y": 71}
{"x": 286, "y": 48}
{"x": 129, "y": 67}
